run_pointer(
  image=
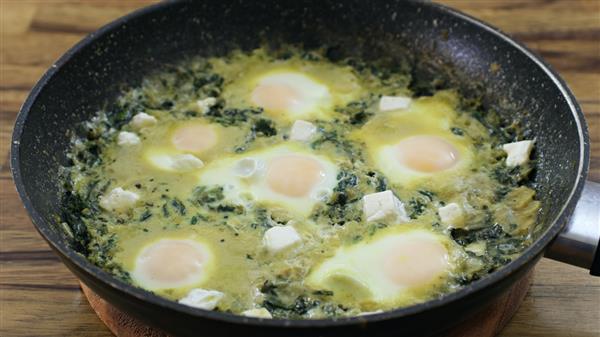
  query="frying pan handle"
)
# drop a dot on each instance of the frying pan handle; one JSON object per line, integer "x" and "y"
{"x": 579, "y": 241}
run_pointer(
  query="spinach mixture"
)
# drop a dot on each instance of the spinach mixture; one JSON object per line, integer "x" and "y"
{"x": 284, "y": 184}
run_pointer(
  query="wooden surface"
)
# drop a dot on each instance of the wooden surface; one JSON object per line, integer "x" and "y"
{"x": 39, "y": 297}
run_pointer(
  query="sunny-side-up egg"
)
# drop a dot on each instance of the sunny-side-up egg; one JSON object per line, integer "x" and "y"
{"x": 416, "y": 144}
{"x": 188, "y": 146}
{"x": 399, "y": 265}
{"x": 287, "y": 89}
{"x": 172, "y": 263}
{"x": 287, "y": 176}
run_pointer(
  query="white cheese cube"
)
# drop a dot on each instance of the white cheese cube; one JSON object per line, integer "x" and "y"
{"x": 119, "y": 200}
{"x": 302, "y": 131}
{"x": 127, "y": 138}
{"x": 478, "y": 248}
{"x": 202, "y": 298}
{"x": 389, "y": 103}
{"x": 279, "y": 238}
{"x": 258, "y": 313}
{"x": 451, "y": 215}
{"x": 247, "y": 167}
{"x": 518, "y": 152}
{"x": 186, "y": 162}
{"x": 142, "y": 120}
{"x": 383, "y": 205}
{"x": 204, "y": 105}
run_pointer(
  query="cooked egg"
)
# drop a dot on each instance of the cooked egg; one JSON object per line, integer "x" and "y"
{"x": 286, "y": 175}
{"x": 426, "y": 153}
{"x": 289, "y": 89}
{"x": 172, "y": 263}
{"x": 194, "y": 137}
{"x": 416, "y": 144}
{"x": 187, "y": 146}
{"x": 391, "y": 269}
{"x": 417, "y": 158}
{"x": 290, "y": 93}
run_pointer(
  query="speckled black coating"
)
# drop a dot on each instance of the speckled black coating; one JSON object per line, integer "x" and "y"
{"x": 428, "y": 36}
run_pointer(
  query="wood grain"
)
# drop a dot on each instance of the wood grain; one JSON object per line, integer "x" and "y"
{"x": 39, "y": 297}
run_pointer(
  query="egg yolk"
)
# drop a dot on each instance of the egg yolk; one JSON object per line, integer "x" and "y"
{"x": 416, "y": 262}
{"x": 426, "y": 154}
{"x": 194, "y": 138}
{"x": 293, "y": 175}
{"x": 169, "y": 263}
{"x": 276, "y": 97}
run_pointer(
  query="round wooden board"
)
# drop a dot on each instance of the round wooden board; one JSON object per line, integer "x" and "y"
{"x": 487, "y": 323}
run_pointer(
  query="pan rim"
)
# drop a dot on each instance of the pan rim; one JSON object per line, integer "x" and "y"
{"x": 530, "y": 253}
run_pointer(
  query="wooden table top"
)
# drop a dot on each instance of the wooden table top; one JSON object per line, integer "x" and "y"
{"x": 40, "y": 297}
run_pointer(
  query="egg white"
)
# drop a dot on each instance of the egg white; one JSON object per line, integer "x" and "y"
{"x": 321, "y": 86}
{"x": 245, "y": 183}
{"x": 426, "y": 116}
{"x": 385, "y": 158}
{"x": 312, "y": 96}
{"x": 156, "y": 264}
{"x": 170, "y": 160}
{"x": 358, "y": 272}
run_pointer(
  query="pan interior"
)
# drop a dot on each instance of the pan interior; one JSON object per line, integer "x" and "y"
{"x": 440, "y": 50}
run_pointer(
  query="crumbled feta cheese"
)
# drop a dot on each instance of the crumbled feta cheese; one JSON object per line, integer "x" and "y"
{"x": 302, "y": 131}
{"x": 128, "y": 138}
{"x": 518, "y": 152}
{"x": 451, "y": 215}
{"x": 142, "y": 120}
{"x": 381, "y": 205}
{"x": 259, "y": 313}
{"x": 279, "y": 238}
{"x": 389, "y": 103}
{"x": 247, "y": 167}
{"x": 202, "y": 298}
{"x": 118, "y": 200}
{"x": 186, "y": 162}
{"x": 205, "y": 104}
{"x": 478, "y": 248}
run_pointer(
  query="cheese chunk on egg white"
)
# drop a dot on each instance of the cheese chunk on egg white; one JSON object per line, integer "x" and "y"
{"x": 173, "y": 162}
{"x": 517, "y": 153}
{"x": 202, "y": 298}
{"x": 395, "y": 267}
{"x": 302, "y": 131}
{"x": 186, "y": 146}
{"x": 172, "y": 263}
{"x": 287, "y": 175}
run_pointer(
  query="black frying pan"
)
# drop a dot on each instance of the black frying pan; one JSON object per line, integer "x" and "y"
{"x": 456, "y": 50}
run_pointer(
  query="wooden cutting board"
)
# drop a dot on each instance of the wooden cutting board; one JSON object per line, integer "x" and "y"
{"x": 486, "y": 323}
